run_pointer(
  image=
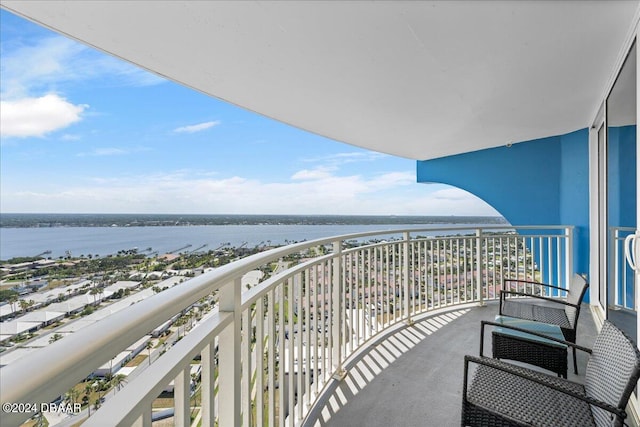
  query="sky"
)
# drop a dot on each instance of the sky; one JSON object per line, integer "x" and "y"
{"x": 84, "y": 132}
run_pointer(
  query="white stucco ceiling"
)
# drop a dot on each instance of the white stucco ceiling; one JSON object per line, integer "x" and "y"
{"x": 417, "y": 79}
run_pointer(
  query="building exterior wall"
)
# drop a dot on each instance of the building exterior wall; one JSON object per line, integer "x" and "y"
{"x": 539, "y": 182}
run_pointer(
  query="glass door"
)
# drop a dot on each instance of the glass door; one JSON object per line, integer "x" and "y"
{"x": 621, "y": 195}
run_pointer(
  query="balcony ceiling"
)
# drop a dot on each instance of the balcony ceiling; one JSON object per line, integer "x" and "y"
{"x": 417, "y": 79}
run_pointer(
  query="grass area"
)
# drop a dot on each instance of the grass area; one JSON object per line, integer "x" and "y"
{"x": 59, "y": 283}
{"x": 53, "y": 325}
{"x": 167, "y": 401}
{"x": 34, "y": 423}
{"x": 162, "y": 403}
{"x": 10, "y": 283}
{"x": 137, "y": 360}
{"x": 93, "y": 395}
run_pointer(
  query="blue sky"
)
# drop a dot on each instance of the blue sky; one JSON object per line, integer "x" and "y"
{"x": 83, "y": 132}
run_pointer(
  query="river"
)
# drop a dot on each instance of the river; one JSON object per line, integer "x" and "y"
{"x": 60, "y": 241}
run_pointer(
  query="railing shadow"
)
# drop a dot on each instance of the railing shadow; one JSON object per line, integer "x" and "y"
{"x": 366, "y": 367}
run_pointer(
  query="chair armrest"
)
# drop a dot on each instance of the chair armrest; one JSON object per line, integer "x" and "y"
{"x": 532, "y": 282}
{"x": 530, "y": 375}
{"x": 526, "y": 331}
{"x": 524, "y": 294}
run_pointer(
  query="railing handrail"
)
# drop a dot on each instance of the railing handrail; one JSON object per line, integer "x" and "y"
{"x": 621, "y": 228}
{"x": 64, "y": 363}
{"x": 148, "y": 386}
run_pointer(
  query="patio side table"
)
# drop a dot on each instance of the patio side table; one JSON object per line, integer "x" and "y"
{"x": 531, "y": 349}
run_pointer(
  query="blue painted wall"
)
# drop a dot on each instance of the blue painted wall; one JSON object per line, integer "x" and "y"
{"x": 538, "y": 182}
{"x": 621, "y": 163}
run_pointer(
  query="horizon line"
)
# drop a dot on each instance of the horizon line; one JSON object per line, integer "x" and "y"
{"x": 243, "y": 214}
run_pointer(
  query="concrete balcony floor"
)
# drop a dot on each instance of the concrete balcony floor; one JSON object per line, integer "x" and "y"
{"x": 413, "y": 375}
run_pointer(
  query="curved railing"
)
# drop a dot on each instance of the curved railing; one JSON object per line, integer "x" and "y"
{"x": 268, "y": 352}
{"x": 622, "y": 277}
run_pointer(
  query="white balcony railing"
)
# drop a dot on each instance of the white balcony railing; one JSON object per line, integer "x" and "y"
{"x": 268, "y": 352}
{"x": 622, "y": 275}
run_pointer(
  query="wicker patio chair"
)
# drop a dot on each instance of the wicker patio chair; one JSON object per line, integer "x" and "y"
{"x": 502, "y": 394}
{"x": 563, "y": 313}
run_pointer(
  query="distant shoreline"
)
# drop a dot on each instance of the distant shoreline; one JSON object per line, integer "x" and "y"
{"x": 30, "y": 220}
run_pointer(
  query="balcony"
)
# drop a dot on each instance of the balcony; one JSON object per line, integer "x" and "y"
{"x": 396, "y": 309}
{"x": 480, "y": 95}
{"x": 415, "y": 374}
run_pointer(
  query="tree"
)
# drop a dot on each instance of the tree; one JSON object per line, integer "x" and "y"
{"x": 85, "y": 398}
{"x": 94, "y": 292}
{"x": 7, "y": 295}
{"x": 72, "y": 395}
{"x": 12, "y": 300}
{"x": 118, "y": 381}
{"x": 149, "y": 347}
{"x": 55, "y": 337}
{"x": 23, "y": 305}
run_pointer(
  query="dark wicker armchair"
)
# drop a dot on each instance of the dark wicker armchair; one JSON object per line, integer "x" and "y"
{"x": 502, "y": 394}
{"x": 563, "y": 313}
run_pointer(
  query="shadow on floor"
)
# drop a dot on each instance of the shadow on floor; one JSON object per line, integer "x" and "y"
{"x": 413, "y": 377}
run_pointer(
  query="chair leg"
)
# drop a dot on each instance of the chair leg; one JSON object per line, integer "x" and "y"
{"x": 570, "y": 336}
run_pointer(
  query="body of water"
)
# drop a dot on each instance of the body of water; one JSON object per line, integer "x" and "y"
{"x": 19, "y": 242}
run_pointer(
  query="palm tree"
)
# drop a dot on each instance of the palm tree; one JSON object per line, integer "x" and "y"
{"x": 13, "y": 299}
{"x": 72, "y": 395}
{"x": 39, "y": 418}
{"x": 149, "y": 347}
{"x": 94, "y": 292}
{"x": 85, "y": 401}
{"x": 118, "y": 381}
{"x": 23, "y": 305}
{"x": 85, "y": 398}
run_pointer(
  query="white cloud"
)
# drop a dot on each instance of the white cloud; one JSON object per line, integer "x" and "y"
{"x": 190, "y": 192}
{"x": 44, "y": 64}
{"x": 312, "y": 174}
{"x": 37, "y": 116}
{"x": 112, "y": 151}
{"x": 392, "y": 180}
{"x": 104, "y": 152}
{"x": 447, "y": 200}
{"x": 349, "y": 157}
{"x": 197, "y": 128}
